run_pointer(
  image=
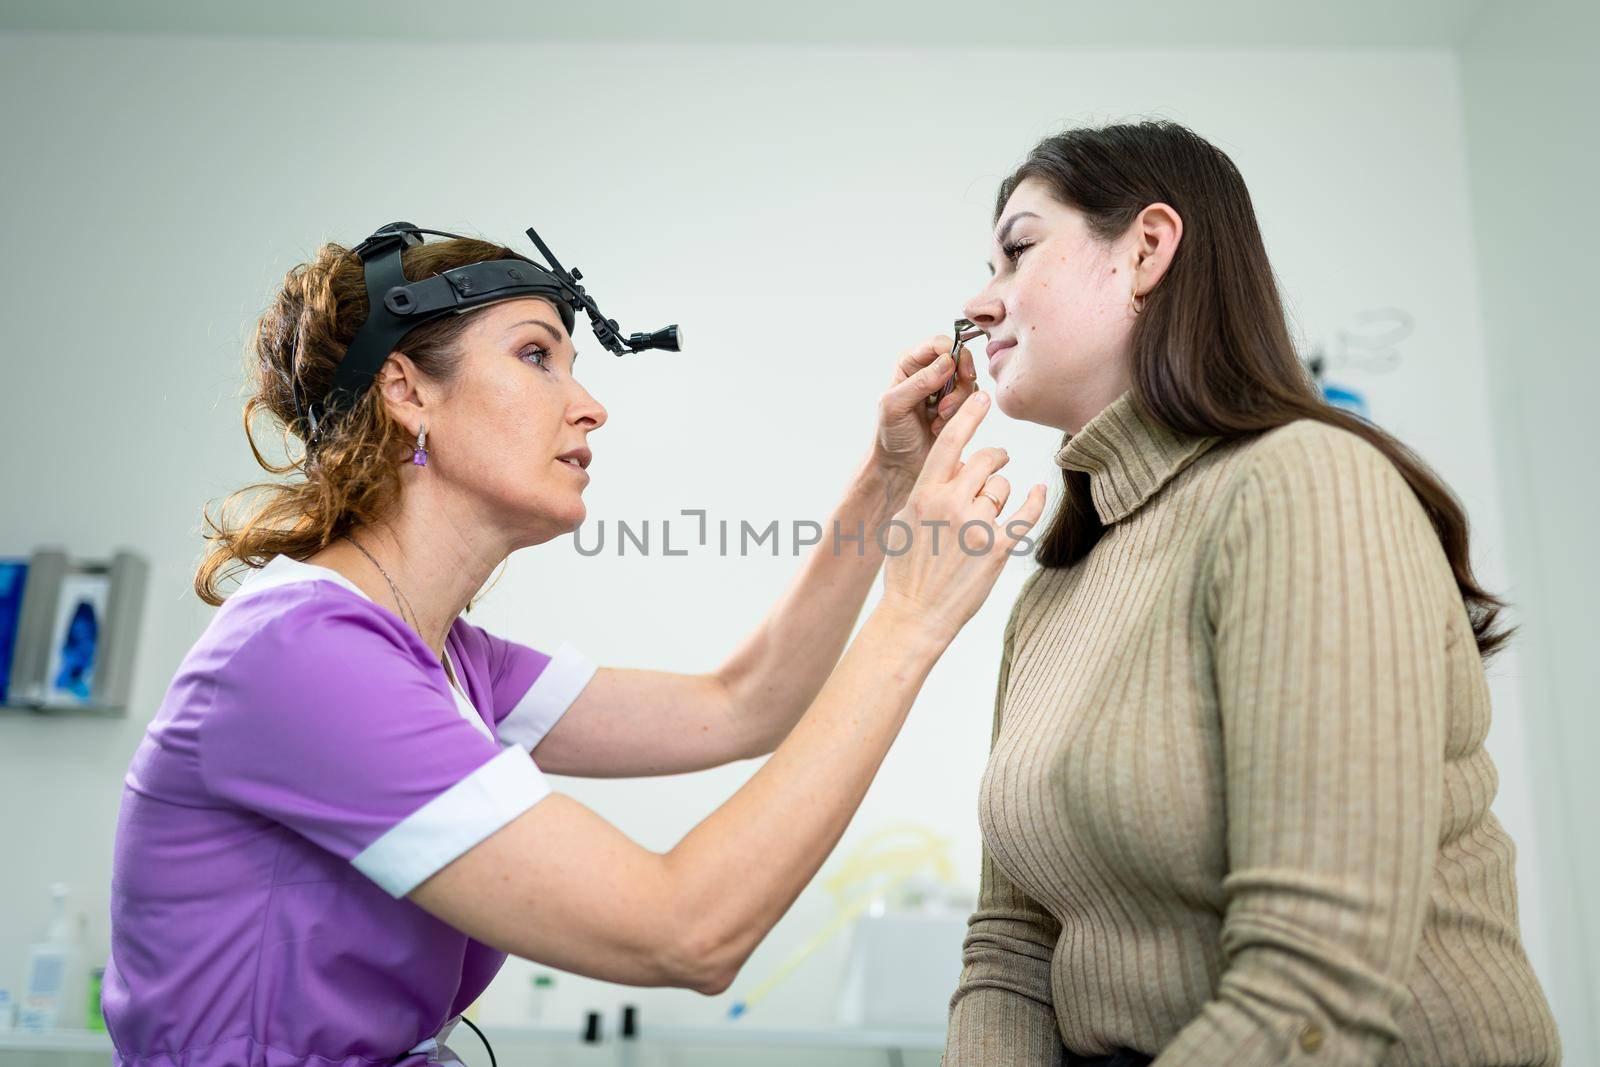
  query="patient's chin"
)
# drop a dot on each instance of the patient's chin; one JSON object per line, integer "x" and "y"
{"x": 1010, "y": 399}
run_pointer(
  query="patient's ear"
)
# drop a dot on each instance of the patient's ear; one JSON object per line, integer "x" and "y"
{"x": 1157, "y": 233}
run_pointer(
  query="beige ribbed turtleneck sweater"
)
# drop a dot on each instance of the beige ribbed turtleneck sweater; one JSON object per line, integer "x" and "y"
{"x": 1236, "y": 812}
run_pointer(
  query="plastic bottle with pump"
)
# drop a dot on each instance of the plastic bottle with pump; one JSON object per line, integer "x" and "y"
{"x": 55, "y": 975}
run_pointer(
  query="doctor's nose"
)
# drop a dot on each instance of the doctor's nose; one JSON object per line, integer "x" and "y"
{"x": 586, "y": 411}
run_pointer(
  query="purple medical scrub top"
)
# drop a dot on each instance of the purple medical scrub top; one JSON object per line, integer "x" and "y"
{"x": 310, "y": 765}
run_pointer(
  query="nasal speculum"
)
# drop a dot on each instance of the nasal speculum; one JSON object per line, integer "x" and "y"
{"x": 964, "y": 331}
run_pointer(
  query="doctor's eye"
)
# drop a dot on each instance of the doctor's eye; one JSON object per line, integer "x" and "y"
{"x": 1016, "y": 249}
{"x": 539, "y": 355}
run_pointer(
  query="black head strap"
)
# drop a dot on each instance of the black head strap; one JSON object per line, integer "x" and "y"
{"x": 396, "y": 306}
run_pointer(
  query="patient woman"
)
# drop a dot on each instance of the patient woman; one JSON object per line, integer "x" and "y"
{"x": 1236, "y": 811}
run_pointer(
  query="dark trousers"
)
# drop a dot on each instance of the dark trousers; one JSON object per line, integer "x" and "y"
{"x": 1120, "y": 1058}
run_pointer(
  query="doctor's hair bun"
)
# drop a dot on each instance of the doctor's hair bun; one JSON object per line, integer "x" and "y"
{"x": 352, "y": 475}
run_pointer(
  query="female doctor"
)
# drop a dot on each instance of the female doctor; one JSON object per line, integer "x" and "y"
{"x": 333, "y": 833}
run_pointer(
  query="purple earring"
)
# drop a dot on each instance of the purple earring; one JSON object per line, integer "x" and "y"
{"x": 420, "y": 455}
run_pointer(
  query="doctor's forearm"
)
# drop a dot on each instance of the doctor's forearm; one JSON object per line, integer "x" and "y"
{"x": 778, "y": 669}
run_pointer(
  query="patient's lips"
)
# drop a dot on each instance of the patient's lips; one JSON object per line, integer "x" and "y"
{"x": 998, "y": 350}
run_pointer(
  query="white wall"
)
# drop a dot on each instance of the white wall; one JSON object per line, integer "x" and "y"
{"x": 804, "y": 213}
{"x": 1533, "y": 147}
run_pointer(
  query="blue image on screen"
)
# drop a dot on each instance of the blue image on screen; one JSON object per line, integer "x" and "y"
{"x": 77, "y": 651}
{"x": 13, "y": 576}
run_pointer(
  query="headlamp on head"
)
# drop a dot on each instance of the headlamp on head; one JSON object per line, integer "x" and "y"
{"x": 396, "y": 306}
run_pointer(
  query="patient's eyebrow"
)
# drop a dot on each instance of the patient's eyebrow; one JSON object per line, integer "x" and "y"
{"x": 1005, "y": 231}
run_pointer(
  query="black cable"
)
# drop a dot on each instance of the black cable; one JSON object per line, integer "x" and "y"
{"x": 485, "y": 1040}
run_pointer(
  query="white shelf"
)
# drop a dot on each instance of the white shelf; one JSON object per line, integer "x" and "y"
{"x": 55, "y": 1041}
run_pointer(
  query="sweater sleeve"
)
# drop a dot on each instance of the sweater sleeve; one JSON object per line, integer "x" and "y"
{"x": 1326, "y": 599}
{"x": 1002, "y": 1012}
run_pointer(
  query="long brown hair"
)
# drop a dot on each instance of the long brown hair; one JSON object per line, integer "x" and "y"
{"x": 1212, "y": 354}
{"x": 352, "y": 477}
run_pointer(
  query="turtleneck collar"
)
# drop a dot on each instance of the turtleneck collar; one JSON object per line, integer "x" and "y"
{"x": 1128, "y": 457}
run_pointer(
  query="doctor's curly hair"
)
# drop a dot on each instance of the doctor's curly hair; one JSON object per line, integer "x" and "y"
{"x": 352, "y": 476}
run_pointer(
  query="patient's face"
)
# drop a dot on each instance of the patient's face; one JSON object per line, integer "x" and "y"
{"x": 1062, "y": 298}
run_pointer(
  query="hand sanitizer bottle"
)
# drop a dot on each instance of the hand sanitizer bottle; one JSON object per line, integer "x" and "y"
{"x": 55, "y": 970}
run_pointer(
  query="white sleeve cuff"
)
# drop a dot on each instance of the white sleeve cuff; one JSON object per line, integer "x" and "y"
{"x": 452, "y": 822}
{"x": 548, "y": 698}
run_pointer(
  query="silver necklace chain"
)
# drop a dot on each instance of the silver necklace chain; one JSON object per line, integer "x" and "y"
{"x": 400, "y": 600}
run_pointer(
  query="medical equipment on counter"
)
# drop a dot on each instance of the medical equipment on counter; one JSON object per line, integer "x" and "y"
{"x": 904, "y": 963}
{"x": 885, "y": 862}
{"x": 54, "y": 981}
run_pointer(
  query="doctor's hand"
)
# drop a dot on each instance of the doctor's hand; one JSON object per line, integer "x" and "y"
{"x": 905, "y": 428}
{"x": 955, "y": 541}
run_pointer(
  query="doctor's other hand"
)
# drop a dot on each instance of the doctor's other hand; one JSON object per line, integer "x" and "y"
{"x": 951, "y": 529}
{"x": 906, "y": 430}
